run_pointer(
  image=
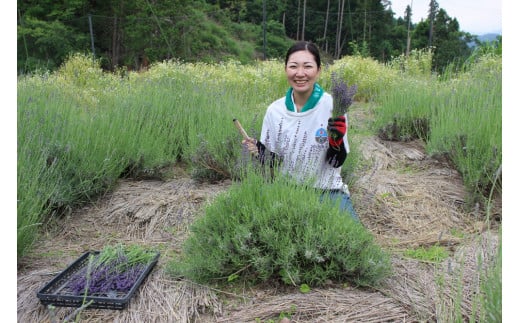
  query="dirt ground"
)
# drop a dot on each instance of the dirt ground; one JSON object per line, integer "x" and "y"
{"x": 402, "y": 196}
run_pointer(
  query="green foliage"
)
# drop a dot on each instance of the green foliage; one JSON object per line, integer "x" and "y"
{"x": 432, "y": 254}
{"x": 60, "y": 161}
{"x": 449, "y": 43}
{"x": 79, "y": 128}
{"x": 417, "y": 64}
{"x": 304, "y": 288}
{"x": 35, "y": 187}
{"x": 207, "y": 41}
{"x": 486, "y": 49}
{"x": 368, "y": 75}
{"x": 467, "y": 115}
{"x": 360, "y": 50}
{"x": 276, "y": 41}
{"x": 452, "y": 114}
{"x": 491, "y": 286}
{"x": 81, "y": 71}
{"x": 44, "y": 45}
{"x": 136, "y": 32}
{"x": 277, "y": 230}
{"x": 405, "y": 112}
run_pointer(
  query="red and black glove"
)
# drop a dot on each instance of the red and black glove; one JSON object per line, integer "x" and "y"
{"x": 336, "y": 156}
{"x": 336, "y": 129}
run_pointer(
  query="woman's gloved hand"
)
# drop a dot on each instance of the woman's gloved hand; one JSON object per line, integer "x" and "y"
{"x": 336, "y": 156}
{"x": 336, "y": 129}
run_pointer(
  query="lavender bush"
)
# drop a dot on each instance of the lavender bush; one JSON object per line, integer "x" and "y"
{"x": 260, "y": 231}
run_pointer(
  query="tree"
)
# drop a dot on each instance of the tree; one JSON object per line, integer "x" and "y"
{"x": 379, "y": 30}
{"x": 48, "y": 32}
{"x": 236, "y": 9}
{"x": 449, "y": 43}
{"x": 432, "y": 12}
{"x": 398, "y": 37}
{"x": 325, "y": 26}
{"x": 303, "y": 18}
{"x": 128, "y": 33}
{"x": 298, "y": 27}
{"x": 408, "y": 20}
{"x": 341, "y": 6}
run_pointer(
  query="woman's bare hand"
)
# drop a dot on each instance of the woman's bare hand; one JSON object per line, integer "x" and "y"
{"x": 250, "y": 143}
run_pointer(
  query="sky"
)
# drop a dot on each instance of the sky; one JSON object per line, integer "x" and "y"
{"x": 476, "y": 17}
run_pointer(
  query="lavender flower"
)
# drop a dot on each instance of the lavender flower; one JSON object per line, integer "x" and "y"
{"x": 114, "y": 270}
{"x": 342, "y": 94}
{"x": 104, "y": 279}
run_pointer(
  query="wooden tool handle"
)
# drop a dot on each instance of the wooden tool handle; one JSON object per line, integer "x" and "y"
{"x": 241, "y": 129}
{"x": 244, "y": 135}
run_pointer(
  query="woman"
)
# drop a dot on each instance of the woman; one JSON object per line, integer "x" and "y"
{"x": 299, "y": 129}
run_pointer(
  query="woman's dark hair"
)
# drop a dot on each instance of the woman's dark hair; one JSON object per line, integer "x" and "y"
{"x": 304, "y": 45}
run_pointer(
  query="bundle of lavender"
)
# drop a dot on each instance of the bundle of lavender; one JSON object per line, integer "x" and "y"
{"x": 113, "y": 271}
{"x": 342, "y": 94}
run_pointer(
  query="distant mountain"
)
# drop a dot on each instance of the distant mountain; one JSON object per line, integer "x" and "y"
{"x": 484, "y": 38}
{"x": 487, "y": 37}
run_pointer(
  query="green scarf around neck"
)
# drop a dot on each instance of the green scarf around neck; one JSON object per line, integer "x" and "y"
{"x": 317, "y": 92}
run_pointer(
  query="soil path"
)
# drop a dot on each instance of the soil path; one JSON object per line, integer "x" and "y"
{"x": 405, "y": 198}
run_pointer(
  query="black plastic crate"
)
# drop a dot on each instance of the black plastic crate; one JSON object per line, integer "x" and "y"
{"x": 55, "y": 292}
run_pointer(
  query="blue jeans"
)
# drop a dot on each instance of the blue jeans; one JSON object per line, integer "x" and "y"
{"x": 345, "y": 204}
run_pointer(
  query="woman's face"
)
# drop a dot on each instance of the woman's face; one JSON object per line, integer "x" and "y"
{"x": 302, "y": 71}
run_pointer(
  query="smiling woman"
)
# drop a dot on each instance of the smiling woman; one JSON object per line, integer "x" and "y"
{"x": 302, "y": 71}
{"x": 299, "y": 132}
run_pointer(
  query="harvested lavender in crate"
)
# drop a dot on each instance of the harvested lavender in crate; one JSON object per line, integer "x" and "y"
{"x": 103, "y": 279}
{"x": 114, "y": 270}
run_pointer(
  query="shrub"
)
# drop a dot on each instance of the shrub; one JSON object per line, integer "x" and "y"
{"x": 258, "y": 231}
{"x": 417, "y": 64}
{"x": 370, "y": 76}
